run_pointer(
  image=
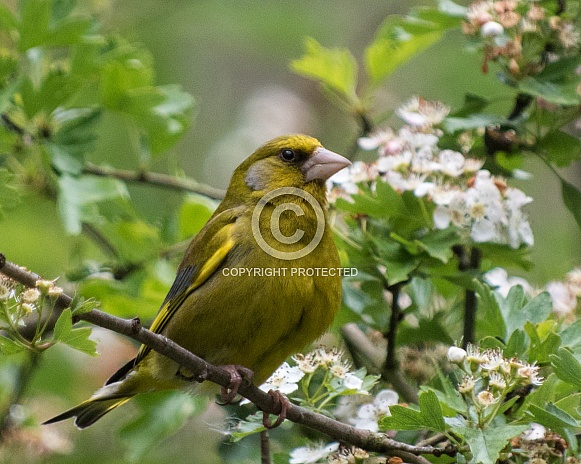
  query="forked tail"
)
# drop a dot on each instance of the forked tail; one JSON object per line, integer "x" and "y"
{"x": 90, "y": 411}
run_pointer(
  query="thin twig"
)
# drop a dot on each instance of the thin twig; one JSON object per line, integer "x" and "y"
{"x": 359, "y": 342}
{"x": 469, "y": 260}
{"x": 365, "y": 439}
{"x": 391, "y": 334}
{"x": 155, "y": 178}
{"x": 264, "y": 448}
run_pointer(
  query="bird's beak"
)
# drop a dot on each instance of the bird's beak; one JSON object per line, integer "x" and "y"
{"x": 323, "y": 164}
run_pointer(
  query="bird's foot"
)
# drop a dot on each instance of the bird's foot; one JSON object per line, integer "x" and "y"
{"x": 279, "y": 398}
{"x": 238, "y": 374}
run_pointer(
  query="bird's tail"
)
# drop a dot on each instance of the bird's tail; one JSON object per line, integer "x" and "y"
{"x": 90, "y": 411}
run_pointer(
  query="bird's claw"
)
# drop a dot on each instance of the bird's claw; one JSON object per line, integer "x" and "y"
{"x": 279, "y": 398}
{"x": 238, "y": 374}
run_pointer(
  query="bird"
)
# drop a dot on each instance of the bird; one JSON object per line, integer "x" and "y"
{"x": 240, "y": 299}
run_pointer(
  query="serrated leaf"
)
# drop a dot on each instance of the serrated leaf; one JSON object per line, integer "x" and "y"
{"x": 63, "y": 325}
{"x": 429, "y": 416}
{"x": 335, "y": 68}
{"x": 487, "y": 444}
{"x": 560, "y": 148}
{"x": 560, "y": 94}
{"x": 163, "y": 112}
{"x": 79, "y": 340}
{"x": 558, "y": 420}
{"x": 385, "y": 54}
{"x": 566, "y": 367}
{"x": 8, "y": 347}
{"x": 438, "y": 243}
{"x": 516, "y": 314}
{"x": 79, "y": 197}
{"x": 572, "y": 200}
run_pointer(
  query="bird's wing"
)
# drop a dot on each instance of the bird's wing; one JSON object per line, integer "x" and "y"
{"x": 204, "y": 256}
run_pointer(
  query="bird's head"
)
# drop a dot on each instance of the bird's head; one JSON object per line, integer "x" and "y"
{"x": 296, "y": 161}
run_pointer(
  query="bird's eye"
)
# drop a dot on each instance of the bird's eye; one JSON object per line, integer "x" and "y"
{"x": 288, "y": 155}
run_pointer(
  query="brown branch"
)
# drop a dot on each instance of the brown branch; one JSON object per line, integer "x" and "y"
{"x": 155, "y": 178}
{"x": 203, "y": 370}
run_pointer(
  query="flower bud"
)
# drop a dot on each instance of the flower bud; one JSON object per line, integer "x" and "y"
{"x": 456, "y": 355}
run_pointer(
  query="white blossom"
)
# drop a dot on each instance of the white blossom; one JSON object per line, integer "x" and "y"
{"x": 285, "y": 379}
{"x": 368, "y": 414}
{"x": 564, "y": 300}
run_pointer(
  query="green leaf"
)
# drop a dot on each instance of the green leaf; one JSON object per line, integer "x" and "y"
{"x": 570, "y": 336}
{"x": 75, "y": 338}
{"x": 572, "y": 200}
{"x": 79, "y": 197}
{"x": 161, "y": 415}
{"x": 516, "y": 314}
{"x": 558, "y": 420}
{"x": 560, "y": 148}
{"x": 76, "y": 132}
{"x": 541, "y": 345}
{"x": 35, "y": 16}
{"x": 473, "y": 121}
{"x": 472, "y": 104}
{"x": 134, "y": 240}
{"x": 8, "y": 347}
{"x": 429, "y": 416}
{"x": 250, "y": 426}
{"x": 397, "y": 41}
{"x": 490, "y": 318}
{"x": 63, "y": 325}
{"x": 566, "y": 367}
{"x": 163, "y": 112}
{"x": 126, "y": 69}
{"x": 516, "y": 345}
{"x": 438, "y": 243}
{"x": 194, "y": 213}
{"x": 335, "y": 68}
{"x": 487, "y": 444}
{"x": 560, "y": 94}
{"x": 431, "y": 329}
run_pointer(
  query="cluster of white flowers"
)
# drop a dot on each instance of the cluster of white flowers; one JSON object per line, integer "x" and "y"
{"x": 286, "y": 378}
{"x": 504, "y": 22}
{"x": 565, "y": 295}
{"x": 489, "y": 376}
{"x": 464, "y": 195}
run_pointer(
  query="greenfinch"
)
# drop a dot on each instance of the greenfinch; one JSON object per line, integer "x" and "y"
{"x": 258, "y": 283}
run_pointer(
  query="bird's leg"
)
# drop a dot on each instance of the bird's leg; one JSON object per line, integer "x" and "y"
{"x": 279, "y": 398}
{"x": 238, "y": 374}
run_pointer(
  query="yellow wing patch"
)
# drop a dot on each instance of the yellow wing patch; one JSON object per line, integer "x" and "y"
{"x": 205, "y": 271}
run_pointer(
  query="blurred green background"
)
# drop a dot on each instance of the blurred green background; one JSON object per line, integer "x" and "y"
{"x": 233, "y": 57}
